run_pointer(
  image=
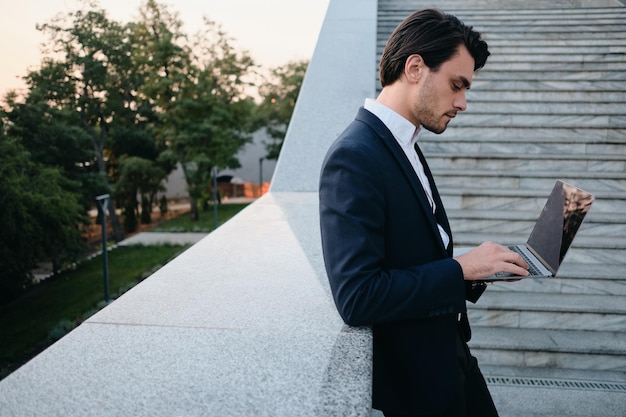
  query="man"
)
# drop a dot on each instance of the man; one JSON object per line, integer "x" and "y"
{"x": 386, "y": 239}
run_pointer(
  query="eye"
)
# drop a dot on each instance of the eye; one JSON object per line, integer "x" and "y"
{"x": 456, "y": 86}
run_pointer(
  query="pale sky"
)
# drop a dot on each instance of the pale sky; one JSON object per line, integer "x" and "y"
{"x": 273, "y": 31}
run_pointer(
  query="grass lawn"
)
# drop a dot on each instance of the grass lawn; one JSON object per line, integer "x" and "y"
{"x": 206, "y": 223}
{"x": 52, "y": 308}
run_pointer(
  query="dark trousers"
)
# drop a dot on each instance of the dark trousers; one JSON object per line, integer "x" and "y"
{"x": 472, "y": 398}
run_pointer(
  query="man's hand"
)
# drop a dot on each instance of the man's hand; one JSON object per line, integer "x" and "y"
{"x": 488, "y": 259}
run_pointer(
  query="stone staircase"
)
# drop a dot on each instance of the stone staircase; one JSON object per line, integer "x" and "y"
{"x": 550, "y": 104}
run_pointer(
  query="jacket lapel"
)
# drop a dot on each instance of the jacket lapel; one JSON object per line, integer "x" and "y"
{"x": 387, "y": 137}
{"x": 440, "y": 213}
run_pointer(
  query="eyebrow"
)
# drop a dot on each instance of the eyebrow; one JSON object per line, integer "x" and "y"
{"x": 465, "y": 82}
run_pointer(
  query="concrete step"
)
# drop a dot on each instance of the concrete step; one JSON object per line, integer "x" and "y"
{"x": 565, "y": 25}
{"x": 545, "y": 107}
{"x": 495, "y": 44}
{"x": 493, "y": 199}
{"x": 543, "y": 56}
{"x": 593, "y": 181}
{"x": 503, "y": 29}
{"x": 585, "y": 249}
{"x": 509, "y": 162}
{"x": 614, "y": 380}
{"x": 573, "y": 278}
{"x": 555, "y": 48}
{"x": 567, "y": 68}
{"x": 552, "y": 17}
{"x": 533, "y": 310}
{"x": 534, "y": 10}
{"x": 593, "y": 34}
{"x": 499, "y": 6}
{"x": 521, "y": 222}
{"x": 547, "y": 348}
{"x": 555, "y": 391}
{"x": 547, "y": 28}
{"x": 588, "y": 136}
{"x": 477, "y": 106}
{"x": 546, "y": 11}
{"x": 616, "y": 98}
{"x": 543, "y": 120}
{"x": 516, "y": 145}
{"x": 583, "y": 242}
{"x": 495, "y": 228}
{"x": 575, "y": 270}
{"x": 548, "y": 72}
{"x": 526, "y": 142}
{"x": 558, "y": 50}
{"x": 591, "y": 228}
{"x": 556, "y": 86}
{"x": 592, "y": 218}
{"x": 577, "y": 48}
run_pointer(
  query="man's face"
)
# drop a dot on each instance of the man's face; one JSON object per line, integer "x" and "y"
{"x": 442, "y": 93}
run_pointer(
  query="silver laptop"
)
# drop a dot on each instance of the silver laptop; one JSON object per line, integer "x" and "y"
{"x": 553, "y": 233}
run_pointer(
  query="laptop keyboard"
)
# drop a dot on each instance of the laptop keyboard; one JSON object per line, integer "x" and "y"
{"x": 532, "y": 269}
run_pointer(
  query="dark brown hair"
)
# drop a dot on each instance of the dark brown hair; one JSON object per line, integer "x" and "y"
{"x": 436, "y": 37}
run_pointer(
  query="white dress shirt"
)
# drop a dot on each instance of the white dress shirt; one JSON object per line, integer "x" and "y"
{"x": 406, "y": 134}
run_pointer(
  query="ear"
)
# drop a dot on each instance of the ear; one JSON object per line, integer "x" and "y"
{"x": 414, "y": 67}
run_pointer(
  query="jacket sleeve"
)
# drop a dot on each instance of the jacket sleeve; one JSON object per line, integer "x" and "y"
{"x": 473, "y": 290}
{"x": 366, "y": 289}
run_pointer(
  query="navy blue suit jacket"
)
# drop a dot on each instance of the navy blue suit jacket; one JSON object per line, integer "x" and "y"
{"x": 388, "y": 268}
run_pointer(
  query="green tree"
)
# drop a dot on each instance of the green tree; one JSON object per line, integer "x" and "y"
{"x": 143, "y": 178}
{"x": 279, "y": 93}
{"x": 198, "y": 88}
{"x": 97, "y": 56}
{"x": 39, "y": 218}
{"x": 49, "y": 129}
{"x": 143, "y": 93}
{"x": 89, "y": 43}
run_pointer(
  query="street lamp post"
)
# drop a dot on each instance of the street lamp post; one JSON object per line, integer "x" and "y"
{"x": 261, "y": 176}
{"x": 215, "y": 191}
{"x": 103, "y": 202}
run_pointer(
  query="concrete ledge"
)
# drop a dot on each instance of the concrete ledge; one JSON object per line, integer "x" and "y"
{"x": 239, "y": 324}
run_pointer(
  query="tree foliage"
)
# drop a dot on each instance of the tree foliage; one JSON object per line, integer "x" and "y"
{"x": 40, "y": 217}
{"x": 51, "y": 133}
{"x": 143, "y": 177}
{"x": 113, "y": 108}
{"x": 96, "y": 54}
{"x": 204, "y": 114}
{"x": 279, "y": 93}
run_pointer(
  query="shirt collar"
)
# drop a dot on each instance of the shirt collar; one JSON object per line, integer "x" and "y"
{"x": 404, "y": 131}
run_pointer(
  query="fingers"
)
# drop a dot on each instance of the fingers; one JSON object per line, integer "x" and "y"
{"x": 515, "y": 263}
{"x": 515, "y": 268}
{"x": 489, "y": 259}
{"x": 509, "y": 261}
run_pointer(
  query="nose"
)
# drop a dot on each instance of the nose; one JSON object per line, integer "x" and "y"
{"x": 460, "y": 103}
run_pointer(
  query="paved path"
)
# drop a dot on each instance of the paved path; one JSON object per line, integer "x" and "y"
{"x": 157, "y": 238}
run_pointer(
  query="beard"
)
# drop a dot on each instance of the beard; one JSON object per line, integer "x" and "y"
{"x": 436, "y": 128}
{"x": 425, "y": 107}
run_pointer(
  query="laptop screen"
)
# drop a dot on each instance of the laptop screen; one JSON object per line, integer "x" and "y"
{"x": 558, "y": 223}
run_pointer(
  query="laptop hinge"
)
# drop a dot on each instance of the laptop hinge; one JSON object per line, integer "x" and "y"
{"x": 543, "y": 261}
